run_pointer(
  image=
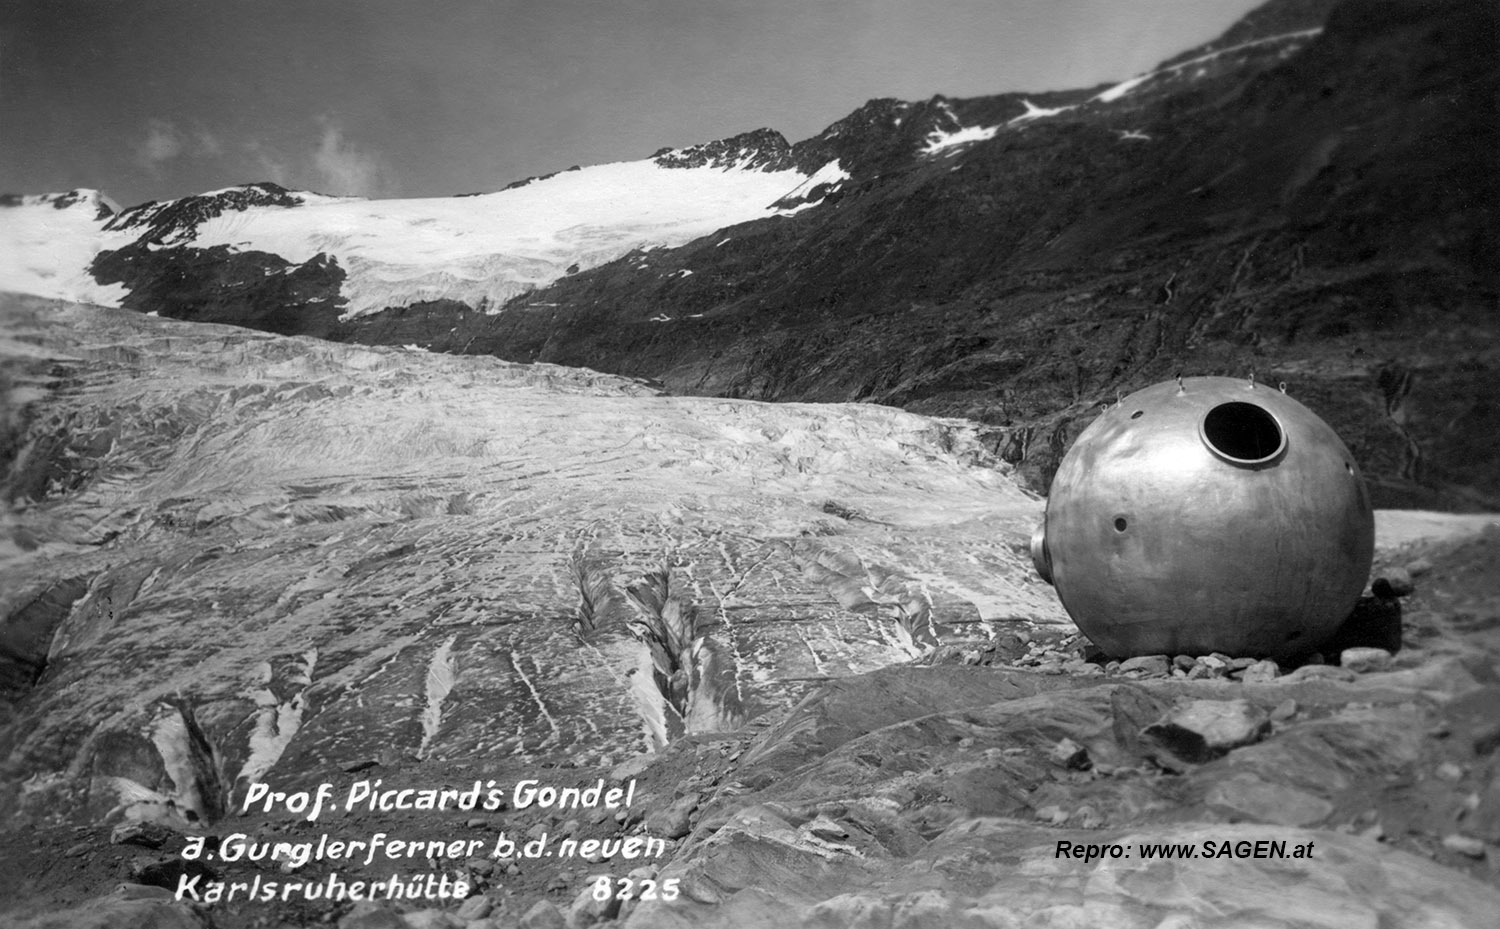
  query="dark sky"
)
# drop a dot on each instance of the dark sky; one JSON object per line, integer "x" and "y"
{"x": 149, "y": 99}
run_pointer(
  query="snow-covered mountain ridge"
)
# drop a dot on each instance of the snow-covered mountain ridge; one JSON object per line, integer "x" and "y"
{"x": 478, "y": 250}
{"x": 481, "y": 250}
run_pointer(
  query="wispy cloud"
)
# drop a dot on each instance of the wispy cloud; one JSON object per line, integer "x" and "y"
{"x": 269, "y": 165}
{"x": 328, "y": 162}
{"x": 332, "y": 164}
{"x": 165, "y": 142}
{"x": 342, "y": 168}
{"x": 162, "y": 143}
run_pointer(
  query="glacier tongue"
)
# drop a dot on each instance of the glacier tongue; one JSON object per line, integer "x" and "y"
{"x": 238, "y": 501}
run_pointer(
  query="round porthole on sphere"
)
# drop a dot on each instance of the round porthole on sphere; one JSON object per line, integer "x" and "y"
{"x": 1120, "y": 524}
{"x": 1137, "y": 414}
{"x": 1242, "y": 433}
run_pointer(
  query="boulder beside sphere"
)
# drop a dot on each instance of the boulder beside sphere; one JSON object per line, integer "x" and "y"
{"x": 1207, "y": 515}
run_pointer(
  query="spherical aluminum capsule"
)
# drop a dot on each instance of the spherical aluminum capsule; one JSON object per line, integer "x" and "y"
{"x": 1207, "y": 515}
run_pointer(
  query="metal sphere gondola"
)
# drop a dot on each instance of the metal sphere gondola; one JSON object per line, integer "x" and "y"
{"x": 1207, "y": 515}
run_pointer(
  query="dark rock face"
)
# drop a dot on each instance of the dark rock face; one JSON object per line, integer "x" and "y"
{"x": 77, "y": 196}
{"x": 763, "y": 150}
{"x": 176, "y": 220}
{"x": 524, "y": 181}
{"x": 102, "y": 207}
{"x": 221, "y": 285}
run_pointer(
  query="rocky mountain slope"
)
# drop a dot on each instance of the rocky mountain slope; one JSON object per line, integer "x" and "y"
{"x": 808, "y": 635}
{"x": 1315, "y": 209}
{"x": 1309, "y": 197}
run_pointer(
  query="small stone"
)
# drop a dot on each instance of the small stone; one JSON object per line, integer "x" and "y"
{"x": 1448, "y": 771}
{"x": 1418, "y": 567}
{"x": 1393, "y": 583}
{"x": 1217, "y": 661}
{"x": 144, "y": 834}
{"x": 1203, "y": 730}
{"x": 1185, "y": 662}
{"x": 1464, "y": 845}
{"x": 537, "y": 831}
{"x": 1146, "y": 666}
{"x": 675, "y": 821}
{"x": 167, "y": 872}
{"x": 431, "y": 919}
{"x": 481, "y": 866}
{"x": 477, "y": 907}
{"x": 82, "y": 848}
{"x": 1321, "y": 672}
{"x": 587, "y": 910}
{"x": 826, "y": 829}
{"x": 1365, "y": 660}
{"x": 570, "y": 828}
{"x": 1200, "y": 672}
{"x": 478, "y": 822}
{"x": 1053, "y": 814}
{"x": 1284, "y": 711}
{"x": 1070, "y": 755}
{"x": 1261, "y": 672}
{"x": 1088, "y": 818}
{"x": 631, "y": 767}
{"x": 544, "y": 915}
{"x": 367, "y": 915}
{"x": 1269, "y": 802}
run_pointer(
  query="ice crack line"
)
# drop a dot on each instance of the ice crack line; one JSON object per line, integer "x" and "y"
{"x": 440, "y": 677}
{"x": 515, "y": 663}
{"x": 733, "y": 638}
{"x": 817, "y": 662}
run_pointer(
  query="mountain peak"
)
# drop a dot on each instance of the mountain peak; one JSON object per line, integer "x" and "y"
{"x": 82, "y": 197}
{"x": 177, "y": 220}
{"x": 757, "y": 150}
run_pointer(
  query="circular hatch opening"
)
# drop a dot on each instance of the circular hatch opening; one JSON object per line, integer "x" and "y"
{"x": 1243, "y": 433}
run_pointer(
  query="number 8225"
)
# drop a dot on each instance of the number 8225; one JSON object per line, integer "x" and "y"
{"x": 605, "y": 887}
